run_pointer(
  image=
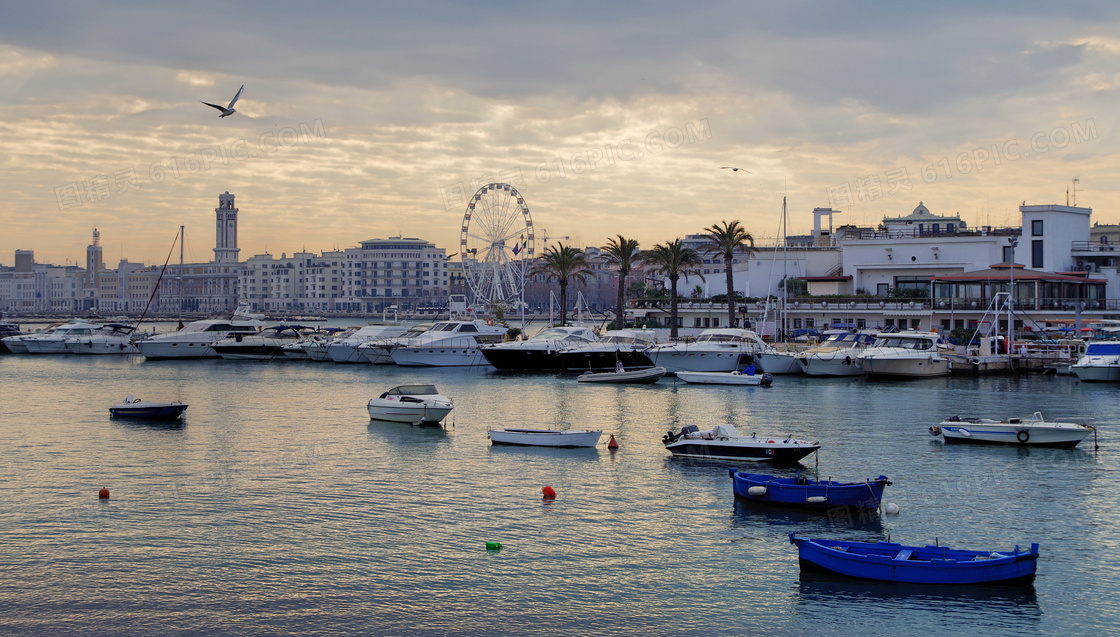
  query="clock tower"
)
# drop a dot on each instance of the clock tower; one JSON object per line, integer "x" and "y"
{"x": 225, "y": 243}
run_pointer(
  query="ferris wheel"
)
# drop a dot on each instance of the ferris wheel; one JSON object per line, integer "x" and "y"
{"x": 496, "y": 244}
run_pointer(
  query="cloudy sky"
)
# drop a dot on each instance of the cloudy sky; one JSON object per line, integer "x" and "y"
{"x": 363, "y": 120}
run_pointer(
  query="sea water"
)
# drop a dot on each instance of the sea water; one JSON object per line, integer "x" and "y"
{"x": 278, "y": 507}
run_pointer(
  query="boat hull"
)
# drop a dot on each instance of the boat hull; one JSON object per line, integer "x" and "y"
{"x": 1007, "y": 434}
{"x": 545, "y": 437}
{"x": 87, "y": 347}
{"x": 438, "y": 357}
{"x": 756, "y": 450}
{"x": 602, "y": 361}
{"x": 725, "y": 378}
{"x": 892, "y": 562}
{"x": 524, "y": 359}
{"x": 778, "y": 363}
{"x": 683, "y": 359}
{"x": 646, "y": 376}
{"x": 830, "y": 365}
{"x": 166, "y": 350}
{"x": 250, "y": 352}
{"x": 806, "y": 493}
{"x": 148, "y": 411}
{"x": 1097, "y": 373}
{"x": 924, "y": 367}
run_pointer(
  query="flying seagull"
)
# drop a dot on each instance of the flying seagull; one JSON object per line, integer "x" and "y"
{"x": 733, "y": 168}
{"x": 227, "y": 110}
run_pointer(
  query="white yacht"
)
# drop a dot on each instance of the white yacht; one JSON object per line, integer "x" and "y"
{"x": 110, "y": 338}
{"x": 196, "y": 339}
{"x": 838, "y": 355}
{"x": 779, "y": 361}
{"x": 540, "y": 353}
{"x": 715, "y": 350}
{"x": 312, "y": 346}
{"x": 267, "y": 344}
{"x": 904, "y": 355}
{"x": 53, "y": 340}
{"x": 1099, "y": 364}
{"x": 627, "y": 347}
{"x": 379, "y": 351}
{"x": 449, "y": 344}
{"x": 344, "y": 348}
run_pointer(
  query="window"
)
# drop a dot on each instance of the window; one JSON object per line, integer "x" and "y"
{"x": 1008, "y": 254}
{"x": 1036, "y": 228}
{"x": 1036, "y": 253}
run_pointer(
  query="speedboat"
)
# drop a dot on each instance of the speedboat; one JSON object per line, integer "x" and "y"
{"x": 415, "y": 404}
{"x": 197, "y": 338}
{"x": 715, "y": 350}
{"x": 893, "y": 562}
{"x": 7, "y": 330}
{"x": 623, "y": 375}
{"x": 540, "y": 353}
{"x": 449, "y": 344}
{"x": 136, "y": 408}
{"x": 904, "y": 355}
{"x": 626, "y": 347}
{"x": 778, "y": 361}
{"x": 379, "y": 351}
{"x": 723, "y": 442}
{"x": 1034, "y": 431}
{"x": 546, "y": 437}
{"x": 110, "y": 338}
{"x": 344, "y": 347}
{"x": 1099, "y": 364}
{"x": 53, "y": 340}
{"x": 727, "y": 378}
{"x": 267, "y": 344}
{"x": 312, "y": 345}
{"x": 807, "y": 493}
{"x": 838, "y": 355}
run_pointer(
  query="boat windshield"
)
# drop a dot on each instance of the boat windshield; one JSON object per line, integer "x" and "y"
{"x": 1103, "y": 349}
{"x": 555, "y": 333}
{"x": 904, "y": 342}
{"x": 413, "y": 390}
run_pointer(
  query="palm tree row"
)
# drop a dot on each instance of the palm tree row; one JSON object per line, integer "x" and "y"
{"x": 672, "y": 259}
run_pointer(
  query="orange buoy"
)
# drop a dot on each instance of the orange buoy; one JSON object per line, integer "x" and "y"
{"x": 103, "y": 494}
{"x": 613, "y": 444}
{"x": 549, "y": 492}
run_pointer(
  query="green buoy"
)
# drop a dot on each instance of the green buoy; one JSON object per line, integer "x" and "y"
{"x": 493, "y": 546}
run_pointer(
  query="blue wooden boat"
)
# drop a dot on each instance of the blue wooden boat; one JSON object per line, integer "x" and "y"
{"x": 893, "y": 562}
{"x": 807, "y": 493}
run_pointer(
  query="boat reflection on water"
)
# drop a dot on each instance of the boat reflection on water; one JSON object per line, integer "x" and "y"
{"x": 856, "y": 524}
{"x": 407, "y": 436}
{"x": 140, "y": 423}
{"x": 545, "y": 453}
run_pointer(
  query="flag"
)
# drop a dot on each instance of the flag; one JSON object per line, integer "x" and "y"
{"x": 518, "y": 248}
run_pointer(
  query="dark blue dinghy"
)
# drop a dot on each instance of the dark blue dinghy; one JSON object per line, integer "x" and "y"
{"x": 807, "y": 493}
{"x": 146, "y": 410}
{"x": 893, "y": 562}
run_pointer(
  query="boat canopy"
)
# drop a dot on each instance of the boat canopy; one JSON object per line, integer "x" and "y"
{"x": 413, "y": 390}
{"x": 1103, "y": 349}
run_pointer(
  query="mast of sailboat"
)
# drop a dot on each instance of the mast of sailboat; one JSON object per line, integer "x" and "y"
{"x": 181, "y": 242}
{"x": 785, "y": 273}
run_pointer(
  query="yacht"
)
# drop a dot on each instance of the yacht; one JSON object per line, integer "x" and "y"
{"x": 196, "y": 339}
{"x": 1099, "y": 364}
{"x": 449, "y": 344}
{"x": 110, "y": 338}
{"x": 837, "y": 356}
{"x": 312, "y": 346}
{"x": 540, "y": 353}
{"x": 779, "y": 361}
{"x": 715, "y": 350}
{"x": 904, "y": 355}
{"x": 627, "y": 347}
{"x": 53, "y": 339}
{"x": 344, "y": 348}
{"x": 267, "y": 344}
{"x": 7, "y": 330}
{"x": 379, "y": 351}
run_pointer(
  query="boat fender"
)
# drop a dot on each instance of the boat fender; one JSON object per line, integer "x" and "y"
{"x": 1023, "y": 435}
{"x": 890, "y": 508}
{"x": 935, "y": 431}
{"x": 847, "y": 360}
{"x": 756, "y": 491}
{"x": 769, "y": 442}
{"x": 816, "y": 499}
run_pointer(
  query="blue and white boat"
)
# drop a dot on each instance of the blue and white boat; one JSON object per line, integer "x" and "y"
{"x": 806, "y": 493}
{"x": 1099, "y": 364}
{"x": 893, "y": 562}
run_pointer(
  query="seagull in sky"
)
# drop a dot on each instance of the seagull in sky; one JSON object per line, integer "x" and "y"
{"x": 227, "y": 110}
{"x": 733, "y": 168}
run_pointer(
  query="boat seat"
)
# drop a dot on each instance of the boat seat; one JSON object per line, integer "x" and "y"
{"x": 904, "y": 554}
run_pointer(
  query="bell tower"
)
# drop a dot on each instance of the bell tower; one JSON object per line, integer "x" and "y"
{"x": 225, "y": 242}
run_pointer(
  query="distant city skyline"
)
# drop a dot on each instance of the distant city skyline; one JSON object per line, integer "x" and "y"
{"x": 361, "y": 123}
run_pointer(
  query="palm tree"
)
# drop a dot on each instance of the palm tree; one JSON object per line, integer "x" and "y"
{"x": 563, "y": 263}
{"x": 623, "y": 254}
{"x": 725, "y": 241}
{"x": 672, "y": 259}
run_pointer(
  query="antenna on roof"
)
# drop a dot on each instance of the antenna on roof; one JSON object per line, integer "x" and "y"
{"x": 1076, "y": 181}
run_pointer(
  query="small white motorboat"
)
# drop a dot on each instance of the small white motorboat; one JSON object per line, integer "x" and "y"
{"x": 1033, "y": 431}
{"x": 415, "y": 404}
{"x": 546, "y": 437}
{"x": 621, "y": 375}
{"x": 147, "y": 410}
{"x": 727, "y": 378}
{"x": 723, "y": 442}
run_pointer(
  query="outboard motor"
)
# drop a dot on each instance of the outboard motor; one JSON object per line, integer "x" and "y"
{"x": 767, "y": 379}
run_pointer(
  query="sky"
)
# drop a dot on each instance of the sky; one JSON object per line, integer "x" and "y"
{"x": 364, "y": 120}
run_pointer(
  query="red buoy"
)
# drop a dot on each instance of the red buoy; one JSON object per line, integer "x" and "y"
{"x": 549, "y": 492}
{"x": 103, "y": 493}
{"x": 613, "y": 444}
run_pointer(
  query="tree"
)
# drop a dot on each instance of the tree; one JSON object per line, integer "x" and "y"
{"x": 563, "y": 263}
{"x": 673, "y": 259}
{"x": 622, "y": 253}
{"x": 726, "y": 240}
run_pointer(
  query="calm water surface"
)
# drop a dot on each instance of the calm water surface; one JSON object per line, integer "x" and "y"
{"x": 278, "y": 507}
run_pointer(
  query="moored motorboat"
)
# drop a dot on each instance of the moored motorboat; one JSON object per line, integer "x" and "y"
{"x": 622, "y": 375}
{"x": 110, "y": 338}
{"x": 541, "y": 353}
{"x": 727, "y": 378}
{"x": 627, "y": 347}
{"x": 268, "y": 344}
{"x": 196, "y": 338}
{"x": 723, "y": 442}
{"x": 53, "y": 339}
{"x": 807, "y": 493}
{"x": 1033, "y": 431}
{"x": 344, "y": 347}
{"x": 546, "y": 437}
{"x": 449, "y": 344}
{"x": 415, "y": 404}
{"x": 893, "y": 562}
{"x": 904, "y": 355}
{"x": 836, "y": 356}
{"x": 715, "y": 350}
{"x": 1099, "y": 364}
{"x": 147, "y": 410}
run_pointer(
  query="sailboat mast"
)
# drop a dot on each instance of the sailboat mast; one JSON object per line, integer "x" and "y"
{"x": 180, "y": 277}
{"x": 785, "y": 272}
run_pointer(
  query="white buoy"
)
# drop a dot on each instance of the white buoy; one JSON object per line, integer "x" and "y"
{"x": 816, "y": 499}
{"x": 757, "y": 490}
{"x": 890, "y": 508}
